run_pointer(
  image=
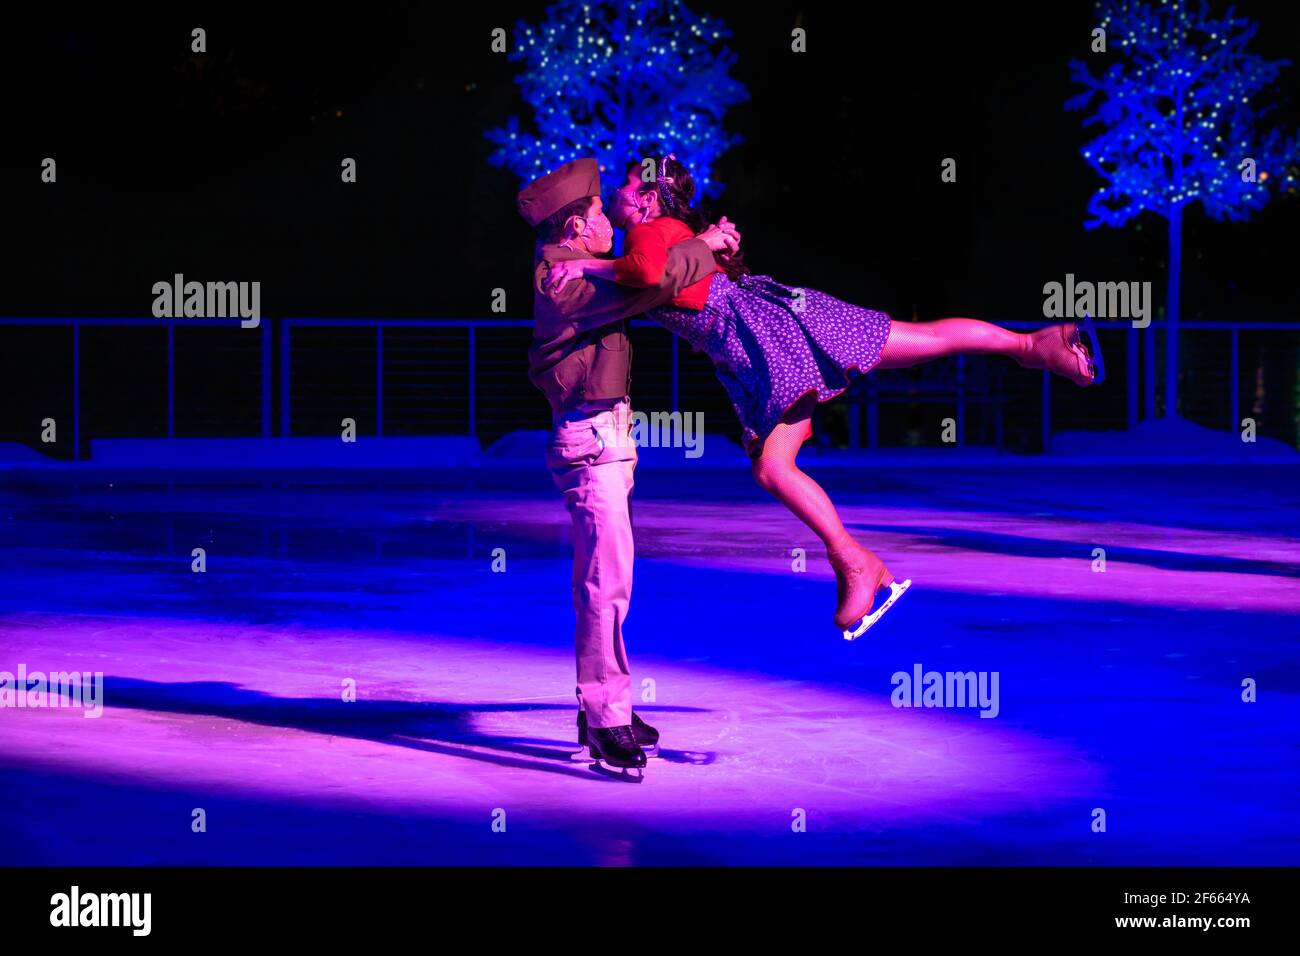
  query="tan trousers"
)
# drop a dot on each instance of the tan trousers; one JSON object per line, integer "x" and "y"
{"x": 591, "y": 457}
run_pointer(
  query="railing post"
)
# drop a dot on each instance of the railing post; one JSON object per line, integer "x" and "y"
{"x": 1132, "y": 375}
{"x": 76, "y": 391}
{"x": 266, "y": 379}
{"x": 473, "y": 349}
{"x": 379, "y": 378}
{"x": 676, "y": 374}
{"x": 1234, "y": 382}
{"x": 961, "y": 400}
{"x": 1047, "y": 410}
{"x": 873, "y": 417}
{"x": 284, "y": 378}
{"x": 1150, "y": 364}
{"x": 171, "y": 380}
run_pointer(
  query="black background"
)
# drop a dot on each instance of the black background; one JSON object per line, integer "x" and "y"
{"x": 226, "y": 166}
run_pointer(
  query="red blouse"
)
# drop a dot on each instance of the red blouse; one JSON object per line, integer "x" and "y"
{"x": 645, "y": 253}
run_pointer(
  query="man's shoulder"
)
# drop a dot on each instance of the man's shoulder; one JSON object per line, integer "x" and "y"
{"x": 554, "y": 252}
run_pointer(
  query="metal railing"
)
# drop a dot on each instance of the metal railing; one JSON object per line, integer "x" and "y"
{"x": 1132, "y": 376}
{"x": 872, "y": 397}
{"x": 170, "y": 324}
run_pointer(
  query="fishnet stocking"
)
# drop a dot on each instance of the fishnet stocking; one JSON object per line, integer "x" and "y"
{"x": 911, "y": 343}
{"x": 775, "y": 471}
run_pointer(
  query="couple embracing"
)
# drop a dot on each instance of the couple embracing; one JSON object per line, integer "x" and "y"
{"x": 777, "y": 350}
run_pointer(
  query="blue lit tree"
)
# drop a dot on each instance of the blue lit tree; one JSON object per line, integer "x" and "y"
{"x": 1176, "y": 97}
{"x": 611, "y": 80}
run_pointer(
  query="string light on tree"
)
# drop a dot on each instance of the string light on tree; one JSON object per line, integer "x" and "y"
{"x": 1175, "y": 97}
{"x": 612, "y": 80}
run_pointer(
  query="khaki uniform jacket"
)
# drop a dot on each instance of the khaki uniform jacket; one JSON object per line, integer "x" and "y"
{"x": 580, "y": 349}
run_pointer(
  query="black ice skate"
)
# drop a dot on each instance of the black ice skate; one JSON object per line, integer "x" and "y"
{"x": 647, "y": 737}
{"x": 615, "y": 750}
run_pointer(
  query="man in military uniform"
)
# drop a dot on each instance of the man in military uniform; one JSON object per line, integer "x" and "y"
{"x": 580, "y": 358}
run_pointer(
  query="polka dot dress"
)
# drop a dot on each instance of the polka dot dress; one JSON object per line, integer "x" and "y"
{"x": 771, "y": 344}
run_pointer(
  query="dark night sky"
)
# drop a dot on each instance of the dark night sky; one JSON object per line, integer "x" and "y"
{"x": 226, "y": 167}
{"x": 233, "y": 171}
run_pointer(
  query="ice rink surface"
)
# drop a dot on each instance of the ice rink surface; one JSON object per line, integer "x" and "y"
{"x": 1118, "y": 690}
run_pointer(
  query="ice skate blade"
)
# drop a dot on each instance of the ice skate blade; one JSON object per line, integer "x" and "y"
{"x": 895, "y": 592}
{"x": 1089, "y": 329}
{"x": 628, "y": 774}
{"x": 584, "y": 754}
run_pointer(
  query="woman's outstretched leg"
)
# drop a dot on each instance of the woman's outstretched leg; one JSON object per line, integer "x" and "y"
{"x": 1055, "y": 347}
{"x": 776, "y": 472}
{"x": 859, "y": 572}
{"x": 911, "y": 343}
